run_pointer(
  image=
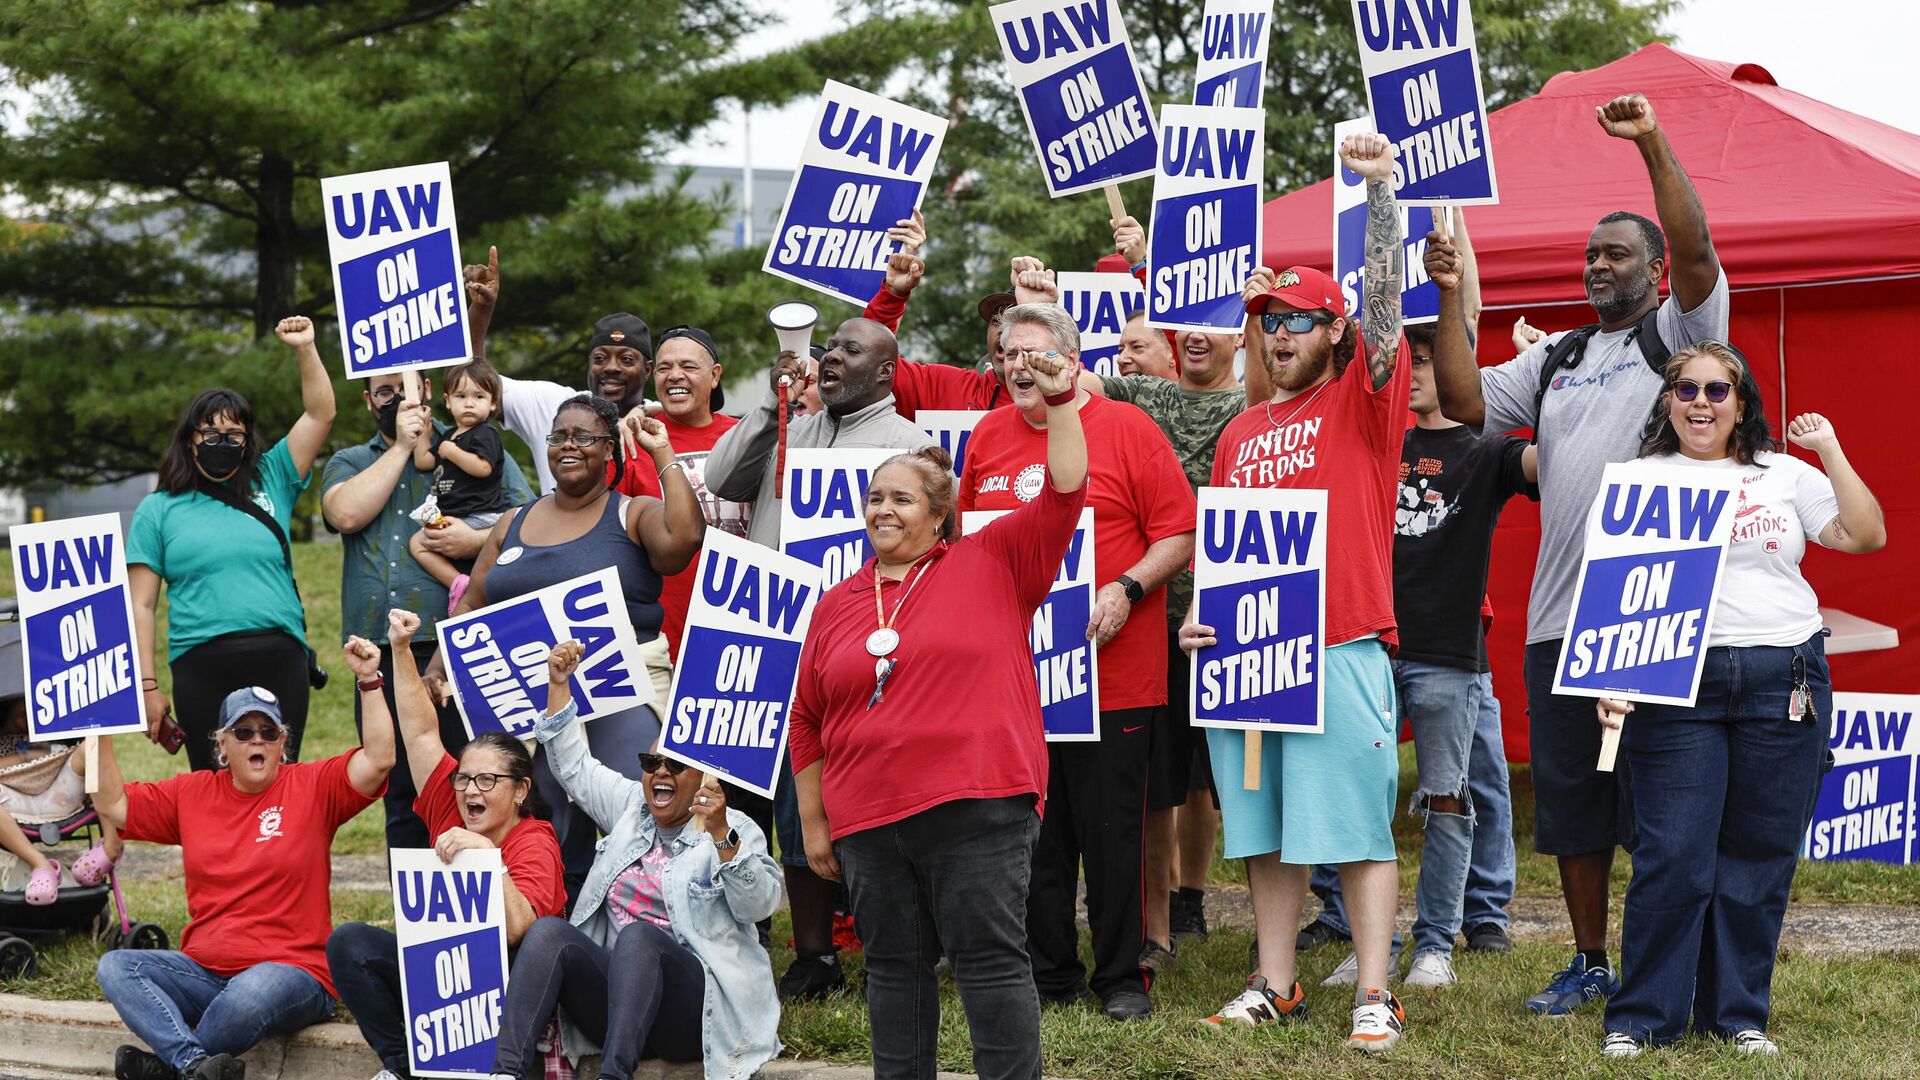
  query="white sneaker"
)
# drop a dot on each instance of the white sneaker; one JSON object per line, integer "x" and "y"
{"x": 1347, "y": 974}
{"x": 386, "y": 1074}
{"x": 1620, "y": 1044}
{"x": 1430, "y": 969}
{"x": 1378, "y": 1022}
{"x": 1754, "y": 1041}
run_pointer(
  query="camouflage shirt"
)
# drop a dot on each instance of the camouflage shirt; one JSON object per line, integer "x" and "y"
{"x": 1192, "y": 421}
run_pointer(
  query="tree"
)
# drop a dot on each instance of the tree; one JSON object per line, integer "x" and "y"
{"x": 988, "y": 202}
{"x": 170, "y": 166}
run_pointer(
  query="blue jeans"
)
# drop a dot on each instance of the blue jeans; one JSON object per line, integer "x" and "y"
{"x": 1723, "y": 793}
{"x": 186, "y": 1012}
{"x": 1467, "y": 860}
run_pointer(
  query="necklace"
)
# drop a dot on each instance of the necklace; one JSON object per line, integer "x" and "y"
{"x": 886, "y": 639}
{"x": 1297, "y": 409}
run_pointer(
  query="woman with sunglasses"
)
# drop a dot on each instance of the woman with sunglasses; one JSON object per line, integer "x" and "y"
{"x": 1723, "y": 791}
{"x": 255, "y": 842}
{"x": 215, "y": 533}
{"x": 485, "y": 799}
{"x": 661, "y": 958}
{"x": 582, "y": 527}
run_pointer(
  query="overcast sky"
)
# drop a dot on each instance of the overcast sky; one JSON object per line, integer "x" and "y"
{"x": 1848, "y": 54}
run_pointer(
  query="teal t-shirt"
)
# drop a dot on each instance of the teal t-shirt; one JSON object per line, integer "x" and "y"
{"x": 224, "y": 571}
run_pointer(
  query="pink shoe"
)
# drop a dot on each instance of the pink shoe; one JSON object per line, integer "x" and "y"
{"x": 43, "y": 885}
{"x": 92, "y": 867}
{"x": 455, "y": 591}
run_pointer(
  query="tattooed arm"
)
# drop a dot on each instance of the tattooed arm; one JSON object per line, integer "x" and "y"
{"x": 1372, "y": 157}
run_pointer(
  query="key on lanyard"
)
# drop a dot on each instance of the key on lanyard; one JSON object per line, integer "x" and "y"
{"x": 1800, "y": 702}
{"x": 882, "y": 670}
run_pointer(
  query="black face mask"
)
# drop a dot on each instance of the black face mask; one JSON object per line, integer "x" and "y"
{"x": 387, "y": 417}
{"x": 219, "y": 462}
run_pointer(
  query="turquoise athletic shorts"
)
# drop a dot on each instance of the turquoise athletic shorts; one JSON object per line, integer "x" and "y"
{"x": 1326, "y": 798}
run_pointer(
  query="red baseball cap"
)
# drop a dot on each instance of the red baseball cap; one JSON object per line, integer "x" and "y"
{"x": 1302, "y": 287}
{"x": 1113, "y": 264}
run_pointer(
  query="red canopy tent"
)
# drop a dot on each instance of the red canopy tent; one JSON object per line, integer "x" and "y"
{"x": 1816, "y": 216}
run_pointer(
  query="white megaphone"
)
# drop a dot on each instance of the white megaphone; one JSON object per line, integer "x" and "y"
{"x": 793, "y": 323}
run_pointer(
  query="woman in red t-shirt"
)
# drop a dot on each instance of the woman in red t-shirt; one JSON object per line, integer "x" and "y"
{"x": 255, "y": 838}
{"x": 932, "y": 810}
{"x": 459, "y": 813}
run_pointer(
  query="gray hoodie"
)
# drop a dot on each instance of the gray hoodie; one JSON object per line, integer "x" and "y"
{"x": 740, "y": 466}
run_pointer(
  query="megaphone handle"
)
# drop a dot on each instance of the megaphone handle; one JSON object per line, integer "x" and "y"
{"x": 780, "y": 453}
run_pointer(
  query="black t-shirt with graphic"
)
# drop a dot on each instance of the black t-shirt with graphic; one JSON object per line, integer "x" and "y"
{"x": 1453, "y": 485}
{"x": 461, "y": 495}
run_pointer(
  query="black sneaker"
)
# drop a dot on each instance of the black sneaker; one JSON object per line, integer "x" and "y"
{"x": 1189, "y": 920}
{"x": 1317, "y": 933}
{"x": 1127, "y": 1003}
{"x": 812, "y": 978}
{"x": 219, "y": 1067}
{"x": 1487, "y": 937}
{"x": 133, "y": 1063}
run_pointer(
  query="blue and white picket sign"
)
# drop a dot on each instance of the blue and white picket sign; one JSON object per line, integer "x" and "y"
{"x": 451, "y": 922}
{"x": 1643, "y": 607}
{"x": 1072, "y": 67}
{"x": 1260, "y": 580}
{"x": 865, "y": 165}
{"x": 1099, "y": 303}
{"x": 1423, "y": 86}
{"x": 76, "y": 629}
{"x": 1205, "y": 236}
{"x": 1232, "y": 68}
{"x": 952, "y": 429}
{"x": 396, "y": 269}
{"x": 1066, "y": 665}
{"x": 1419, "y": 296}
{"x": 1868, "y": 807}
{"x": 739, "y": 658}
{"x": 823, "y": 519}
{"x": 496, "y": 657}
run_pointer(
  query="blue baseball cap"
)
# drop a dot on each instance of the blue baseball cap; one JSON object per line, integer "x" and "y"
{"x": 245, "y": 702}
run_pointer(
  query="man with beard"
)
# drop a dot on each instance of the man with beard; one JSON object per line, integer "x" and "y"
{"x": 1585, "y": 413}
{"x": 367, "y": 494}
{"x": 1335, "y": 425}
{"x": 856, "y": 391}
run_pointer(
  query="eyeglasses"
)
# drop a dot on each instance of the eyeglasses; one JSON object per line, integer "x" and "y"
{"x": 383, "y": 395}
{"x": 650, "y": 763}
{"x": 584, "y": 442}
{"x": 210, "y": 437}
{"x": 482, "y": 781}
{"x": 267, "y": 733}
{"x": 1687, "y": 390}
{"x": 1296, "y": 322}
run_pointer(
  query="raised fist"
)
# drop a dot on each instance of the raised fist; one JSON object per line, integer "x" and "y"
{"x": 562, "y": 660}
{"x": 295, "y": 331}
{"x": 1443, "y": 262}
{"x": 1628, "y": 116}
{"x": 1368, "y": 154}
{"x": 401, "y": 625}
{"x": 1811, "y": 431}
{"x": 1033, "y": 283}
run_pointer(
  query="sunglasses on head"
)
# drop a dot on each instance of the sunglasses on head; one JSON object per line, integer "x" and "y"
{"x": 654, "y": 762}
{"x": 268, "y": 733}
{"x": 1296, "y": 322}
{"x": 1687, "y": 390}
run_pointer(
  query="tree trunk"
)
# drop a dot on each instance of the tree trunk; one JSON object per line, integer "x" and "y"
{"x": 274, "y": 245}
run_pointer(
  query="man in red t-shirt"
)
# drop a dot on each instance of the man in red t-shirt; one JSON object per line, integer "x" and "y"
{"x": 1143, "y": 523}
{"x": 1333, "y": 424}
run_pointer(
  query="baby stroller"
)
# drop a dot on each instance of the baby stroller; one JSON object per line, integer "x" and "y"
{"x": 78, "y": 908}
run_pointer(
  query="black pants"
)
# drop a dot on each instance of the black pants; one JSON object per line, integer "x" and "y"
{"x": 205, "y": 674}
{"x": 1096, "y": 808}
{"x": 404, "y": 827}
{"x": 644, "y": 998}
{"x": 365, "y": 964}
{"x": 953, "y": 876}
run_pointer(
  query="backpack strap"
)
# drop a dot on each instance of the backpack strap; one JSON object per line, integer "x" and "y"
{"x": 1567, "y": 353}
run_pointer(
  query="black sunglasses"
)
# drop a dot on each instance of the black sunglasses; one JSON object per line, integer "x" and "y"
{"x": 1687, "y": 390}
{"x": 653, "y": 762}
{"x": 1296, "y": 322}
{"x": 268, "y": 733}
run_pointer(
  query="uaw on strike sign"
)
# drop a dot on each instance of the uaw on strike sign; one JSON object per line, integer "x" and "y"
{"x": 396, "y": 269}
{"x": 1100, "y": 303}
{"x": 1232, "y": 67}
{"x": 1086, "y": 107}
{"x": 76, "y": 615}
{"x": 1260, "y": 580}
{"x": 1066, "y": 664}
{"x": 1868, "y": 806}
{"x": 1205, "y": 236}
{"x": 865, "y": 166}
{"x": 823, "y": 520}
{"x": 450, "y": 919}
{"x": 1423, "y": 85}
{"x": 739, "y": 660}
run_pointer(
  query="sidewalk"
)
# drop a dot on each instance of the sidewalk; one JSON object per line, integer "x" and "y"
{"x": 69, "y": 1039}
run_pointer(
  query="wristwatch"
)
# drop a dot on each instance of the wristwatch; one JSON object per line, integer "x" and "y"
{"x": 732, "y": 842}
{"x": 1135, "y": 593}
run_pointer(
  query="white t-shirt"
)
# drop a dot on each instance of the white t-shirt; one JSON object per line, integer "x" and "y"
{"x": 1763, "y": 598}
{"x": 526, "y": 410}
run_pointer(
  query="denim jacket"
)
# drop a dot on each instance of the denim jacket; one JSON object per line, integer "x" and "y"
{"x": 711, "y": 905}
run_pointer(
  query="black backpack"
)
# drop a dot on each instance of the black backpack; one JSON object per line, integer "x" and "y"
{"x": 1566, "y": 354}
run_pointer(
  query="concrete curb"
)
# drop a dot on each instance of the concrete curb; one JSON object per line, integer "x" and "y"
{"x": 78, "y": 1038}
